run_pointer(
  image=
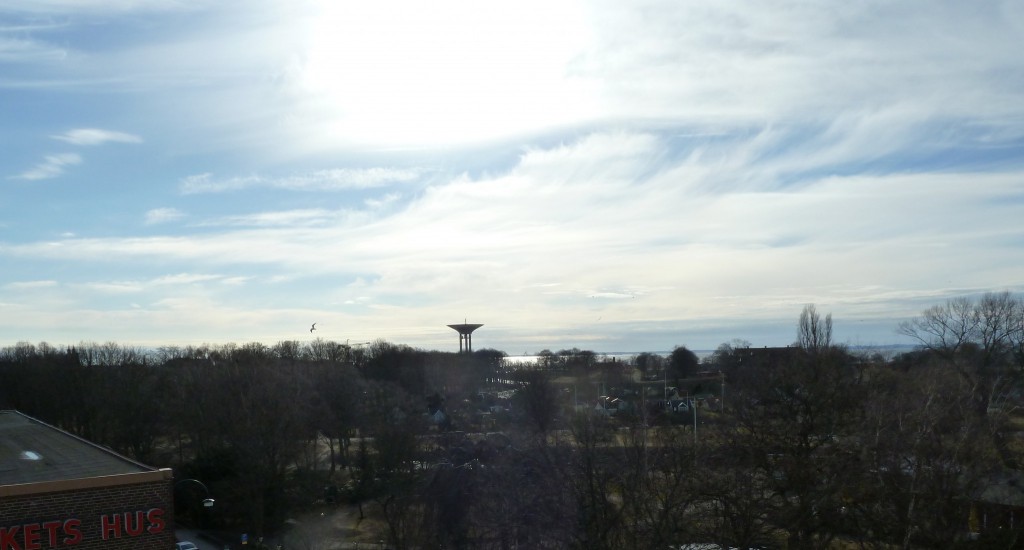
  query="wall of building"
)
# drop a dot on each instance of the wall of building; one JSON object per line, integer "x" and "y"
{"x": 138, "y": 516}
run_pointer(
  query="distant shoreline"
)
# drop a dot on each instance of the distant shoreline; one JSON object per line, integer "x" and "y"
{"x": 890, "y": 349}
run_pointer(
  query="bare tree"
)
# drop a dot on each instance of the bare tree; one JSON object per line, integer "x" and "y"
{"x": 320, "y": 350}
{"x": 684, "y": 362}
{"x": 1017, "y": 337}
{"x": 978, "y": 340}
{"x": 997, "y": 325}
{"x": 790, "y": 409}
{"x": 340, "y": 388}
{"x": 944, "y": 329}
{"x": 814, "y": 334}
{"x": 399, "y": 490}
{"x": 289, "y": 350}
{"x": 921, "y": 453}
{"x": 648, "y": 363}
{"x": 538, "y": 399}
{"x": 593, "y": 477}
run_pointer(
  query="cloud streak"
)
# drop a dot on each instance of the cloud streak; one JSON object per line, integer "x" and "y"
{"x": 95, "y": 136}
{"x": 163, "y": 215}
{"x": 337, "y": 179}
{"x": 51, "y": 167}
{"x": 54, "y": 165}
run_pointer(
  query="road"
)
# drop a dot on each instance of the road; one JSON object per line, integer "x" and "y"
{"x": 193, "y": 536}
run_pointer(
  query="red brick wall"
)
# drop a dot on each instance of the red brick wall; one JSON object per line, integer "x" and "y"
{"x": 142, "y": 513}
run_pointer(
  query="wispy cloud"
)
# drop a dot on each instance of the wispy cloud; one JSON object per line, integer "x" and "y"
{"x": 642, "y": 231}
{"x": 44, "y": 7}
{"x": 339, "y": 179}
{"x": 748, "y": 61}
{"x": 54, "y": 165}
{"x": 114, "y": 287}
{"x": 185, "y": 278}
{"x": 163, "y": 215}
{"x": 205, "y": 183}
{"x": 29, "y": 285}
{"x": 153, "y": 284}
{"x": 288, "y": 218}
{"x": 96, "y": 136}
{"x": 19, "y": 50}
{"x": 51, "y": 167}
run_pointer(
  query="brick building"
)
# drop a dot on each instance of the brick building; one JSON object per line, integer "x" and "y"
{"x": 58, "y": 490}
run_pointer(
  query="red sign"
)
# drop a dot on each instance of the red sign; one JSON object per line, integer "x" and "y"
{"x": 68, "y": 532}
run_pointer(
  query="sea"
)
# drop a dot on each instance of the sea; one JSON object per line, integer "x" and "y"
{"x": 888, "y": 352}
{"x": 624, "y": 356}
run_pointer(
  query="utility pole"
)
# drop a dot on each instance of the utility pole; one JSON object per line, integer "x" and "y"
{"x": 693, "y": 405}
{"x": 722, "y": 373}
{"x": 664, "y": 390}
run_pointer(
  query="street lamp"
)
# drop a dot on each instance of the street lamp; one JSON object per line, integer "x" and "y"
{"x": 208, "y": 500}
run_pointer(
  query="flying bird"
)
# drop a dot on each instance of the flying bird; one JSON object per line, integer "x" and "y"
{"x": 312, "y": 328}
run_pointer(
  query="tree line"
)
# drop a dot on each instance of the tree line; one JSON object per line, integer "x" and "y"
{"x": 812, "y": 446}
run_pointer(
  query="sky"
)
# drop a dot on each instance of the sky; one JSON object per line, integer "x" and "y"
{"x": 608, "y": 175}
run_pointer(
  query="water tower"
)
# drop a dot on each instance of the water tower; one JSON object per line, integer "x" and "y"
{"x": 465, "y": 335}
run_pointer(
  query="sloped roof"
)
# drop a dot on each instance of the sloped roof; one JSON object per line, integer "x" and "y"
{"x": 1005, "y": 488}
{"x": 32, "y": 451}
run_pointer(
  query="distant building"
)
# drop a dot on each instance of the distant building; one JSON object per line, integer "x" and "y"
{"x": 58, "y": 490}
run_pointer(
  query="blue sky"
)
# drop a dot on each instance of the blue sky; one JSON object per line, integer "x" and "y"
{"x": 616, "y": 176}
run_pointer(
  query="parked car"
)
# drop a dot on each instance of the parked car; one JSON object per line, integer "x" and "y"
{"x": 186, "y": 545}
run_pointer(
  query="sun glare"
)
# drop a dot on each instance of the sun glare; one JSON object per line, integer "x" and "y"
{"x": 409, "y": 73}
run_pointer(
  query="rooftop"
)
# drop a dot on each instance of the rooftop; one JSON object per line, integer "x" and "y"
{"x": 33, "y": 452}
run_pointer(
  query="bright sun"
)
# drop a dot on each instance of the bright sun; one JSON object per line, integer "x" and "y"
{"x": 409, "y": 73}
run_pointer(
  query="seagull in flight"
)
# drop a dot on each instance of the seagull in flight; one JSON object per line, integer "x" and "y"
{"x": 312, "y": 328}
